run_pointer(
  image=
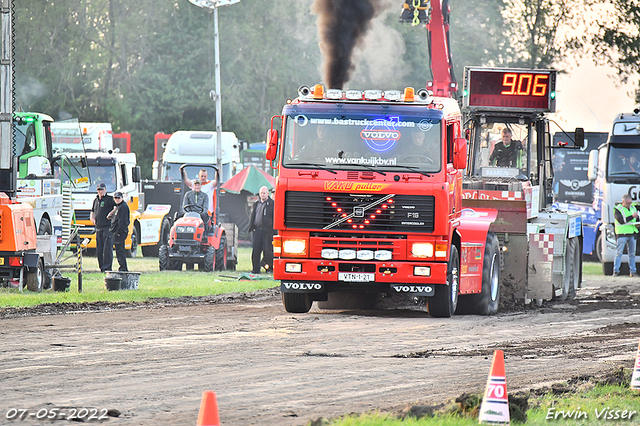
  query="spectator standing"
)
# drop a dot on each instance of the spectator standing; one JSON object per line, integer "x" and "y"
{"x": 626, "y": 218}
{"x": 261, "y": 225}
{"x": 102, "y": 205}
{"x": 120, "y": 228}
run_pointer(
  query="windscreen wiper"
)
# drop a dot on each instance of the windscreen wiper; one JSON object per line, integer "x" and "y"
{"x": 411, "y": 168}
{"x": 321, "y": 167}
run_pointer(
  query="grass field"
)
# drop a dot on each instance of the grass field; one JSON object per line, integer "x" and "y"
{"x": 152, "y": 284}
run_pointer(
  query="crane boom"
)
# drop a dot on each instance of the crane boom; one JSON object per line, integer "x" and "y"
{"x": 437, "y": 23}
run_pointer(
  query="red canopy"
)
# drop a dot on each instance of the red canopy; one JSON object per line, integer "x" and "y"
{"x": 249, "y": 179}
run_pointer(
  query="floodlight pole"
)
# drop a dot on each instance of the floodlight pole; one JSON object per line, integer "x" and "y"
{"x": 216, "y": 94}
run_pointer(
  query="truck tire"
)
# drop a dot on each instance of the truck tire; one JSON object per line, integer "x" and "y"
{"x": 488, "y": 300}
{"x": 133, "y": 251}
{"x": 445, "y": 300}
{"x": 35, "y": 279}
{"x": 210, "y": 260}
{"x": 297, "y": 303}
{"x": 607, "y": 268}
{"x": 221, "y": 254}
{"x": 45, "y": 228}
{"x": 598, "y": 248}
{"x": 163, "y": 257}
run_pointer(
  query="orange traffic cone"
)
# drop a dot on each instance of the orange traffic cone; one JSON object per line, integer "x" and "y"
{"x": 635, "y": 377}
{"x": 208, "y": 415}
{"x": 495, "y": 403}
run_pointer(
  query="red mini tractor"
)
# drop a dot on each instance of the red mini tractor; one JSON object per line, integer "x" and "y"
{"x": 191, "y": 242}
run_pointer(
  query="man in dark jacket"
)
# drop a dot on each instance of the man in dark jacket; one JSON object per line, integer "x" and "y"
{"x": 198, "y": 198}
{"x": 120, "y": 228}
{"x": 102, "y": 205}
{"x": 262, "y": 226}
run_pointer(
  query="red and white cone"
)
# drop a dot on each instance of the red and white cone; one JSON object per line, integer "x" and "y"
{"x": 635, "y": 377}
{"x": 495, "y": 403}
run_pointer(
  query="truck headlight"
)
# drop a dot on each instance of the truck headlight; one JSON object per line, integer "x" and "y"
{"x": 422, "y": 250}
{"x": 610, "y": 235}
{"x": 294, "y": 247}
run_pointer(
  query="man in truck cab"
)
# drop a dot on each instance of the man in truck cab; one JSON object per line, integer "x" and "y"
{"x": 507, "y": 153}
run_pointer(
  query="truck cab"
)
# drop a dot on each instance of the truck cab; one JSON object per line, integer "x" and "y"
{"x": 614, "y": 168}
{"x": 196, "y": 147}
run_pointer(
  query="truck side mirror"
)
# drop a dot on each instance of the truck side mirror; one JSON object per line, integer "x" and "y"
{"x": 135, "y": 174}
{"x": 460, "y": 153}
{"x": 154, "y": 170}
{"x": 579, "y": 137}
{"x": 592, "y": 172}
{"x": 272, "y": 145}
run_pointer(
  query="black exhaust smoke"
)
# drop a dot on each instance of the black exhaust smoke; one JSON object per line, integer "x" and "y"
{"x": 342, "y": 25}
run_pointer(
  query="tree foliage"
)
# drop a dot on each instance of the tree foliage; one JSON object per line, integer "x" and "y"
{"x": 618, "y": 39}
{"x": 147, "y": 66}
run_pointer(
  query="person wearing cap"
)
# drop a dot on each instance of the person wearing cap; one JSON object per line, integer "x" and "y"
{"x": 208, "y": 187}
{"x": 119, "y": 228}
{"x": 198, "y": 198}
{"x": 102, "y": 205}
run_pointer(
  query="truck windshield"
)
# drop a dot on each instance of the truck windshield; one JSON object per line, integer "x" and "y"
{"x": 362, "y": 141}
{"x": 171, "y": 172}
{"x": 501, "y": 150}
{"x": 69, "y": 170}
{"x": 623, "y": 164}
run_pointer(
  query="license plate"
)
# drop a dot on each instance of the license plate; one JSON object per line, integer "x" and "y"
{"x": 357, "y": 277}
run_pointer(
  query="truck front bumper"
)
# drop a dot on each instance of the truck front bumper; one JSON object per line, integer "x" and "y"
{"x": 321, "y": 276}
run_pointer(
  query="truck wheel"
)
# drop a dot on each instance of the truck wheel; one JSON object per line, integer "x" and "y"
{"x": 45, "y": 227}
{"x": 163, "y": 257}
{"x": 487, "y": 301}
{"x": 297, "y": 303}
{"x": 444, "y": 302}
{"x": 210, "y": 259}
{"x": 598, "y": 247}
{"x": 35, "y": 279}
{"x": 133, "y": 251}
{"x": 607, "y": 268}
{"x": 221, "y": 254}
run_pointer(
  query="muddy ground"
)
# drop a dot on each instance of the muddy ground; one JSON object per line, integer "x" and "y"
{"x": 148, "y": 363}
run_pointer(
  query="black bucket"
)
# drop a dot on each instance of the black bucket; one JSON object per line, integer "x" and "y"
{"x": 112, "y": 283}
{"x": 61, "y": 284}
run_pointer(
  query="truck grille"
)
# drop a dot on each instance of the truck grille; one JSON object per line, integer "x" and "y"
{"x": 83, "y": 214}
{"x": 359, "y": 212}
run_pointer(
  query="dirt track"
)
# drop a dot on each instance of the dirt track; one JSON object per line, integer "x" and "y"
{"x": 151, "y": 362}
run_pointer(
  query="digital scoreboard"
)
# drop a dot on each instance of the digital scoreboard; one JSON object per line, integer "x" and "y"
{"x": 510, "y": 89}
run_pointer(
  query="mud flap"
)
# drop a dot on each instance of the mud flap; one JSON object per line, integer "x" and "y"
{"x": 540, "y": 267}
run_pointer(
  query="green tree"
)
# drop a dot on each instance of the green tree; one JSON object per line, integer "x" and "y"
{"x": 618, "y": 39}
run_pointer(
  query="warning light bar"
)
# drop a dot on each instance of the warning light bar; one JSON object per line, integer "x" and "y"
{"x": 409, "y": 95}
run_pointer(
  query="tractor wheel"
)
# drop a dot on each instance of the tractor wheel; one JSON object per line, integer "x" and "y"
{"x": 133, "y": 251}
{"x": 297, "y": 303}
{"x": 443, "y": 304}
{"x": 35, "y": 279}
{"x": 210, "y": 260}
{"x": 221, "y": 254}
{"x": 163, "y": 257}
